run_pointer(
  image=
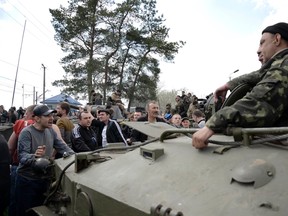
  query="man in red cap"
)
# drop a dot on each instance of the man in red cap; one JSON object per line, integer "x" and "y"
{"x": 266, "y": 105}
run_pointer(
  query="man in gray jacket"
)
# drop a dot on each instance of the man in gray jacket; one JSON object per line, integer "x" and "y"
{"x": 35, "y": 144}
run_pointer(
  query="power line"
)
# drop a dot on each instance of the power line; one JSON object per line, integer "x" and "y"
{"x": 36, "y": 24}
{"x": 9, "y": 86}
{"x": 38, "y": 74}
{"x": 26, "y": 84}
{"x": 11, "y": 17}
{"x": 5, "y": 90}
{"x": 50, "y": 41}
{"x": 35, "y": 36}
{"x": 16, "y": 8}
{"x": 34, "y": 17}
{"x": 29, "y": 19}
{"x": 17, "y": 88}
{"x": 7, "y": 78}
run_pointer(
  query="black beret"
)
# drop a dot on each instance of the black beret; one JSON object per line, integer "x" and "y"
{"x": 280, "y": 28}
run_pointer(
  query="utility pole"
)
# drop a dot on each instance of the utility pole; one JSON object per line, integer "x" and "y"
{"x": 44, "y": 76}
{"x": 23, "y": 96}
{"x": 33, "y": 95}
{"x": 18, "y": 64}
{"x": 36, "y": 97}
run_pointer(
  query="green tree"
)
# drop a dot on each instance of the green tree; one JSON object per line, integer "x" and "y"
{"x": 112, "y": 45}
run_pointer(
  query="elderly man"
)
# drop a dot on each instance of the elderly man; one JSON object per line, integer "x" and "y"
{"x": 267, "y": 104}
{"x": 176, "y": 120}
{"x": 152, "y": 116}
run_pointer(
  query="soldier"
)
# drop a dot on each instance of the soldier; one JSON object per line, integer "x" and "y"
{"x": 267, "y": 104}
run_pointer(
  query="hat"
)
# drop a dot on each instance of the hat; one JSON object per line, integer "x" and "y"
{"x": 168, "y": 116}
{"x": 185, "y": 118}
{"x": 280, "y": 28}
{"x": 107, "y": 111}
{"x": 42, "y": 110}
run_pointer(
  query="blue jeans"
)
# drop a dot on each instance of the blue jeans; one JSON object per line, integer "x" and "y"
{"x": 30, "y": 193}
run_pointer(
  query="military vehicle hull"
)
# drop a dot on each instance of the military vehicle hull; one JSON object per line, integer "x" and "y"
{"x": 180, "y": 181}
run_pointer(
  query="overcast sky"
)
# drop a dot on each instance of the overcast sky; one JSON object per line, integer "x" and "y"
{"x": 221, "y": 37}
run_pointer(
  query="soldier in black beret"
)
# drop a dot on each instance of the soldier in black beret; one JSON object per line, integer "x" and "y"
{"x": 267, "y": 103}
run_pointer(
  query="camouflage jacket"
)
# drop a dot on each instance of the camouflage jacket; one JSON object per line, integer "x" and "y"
{"x": 266, "y": 105}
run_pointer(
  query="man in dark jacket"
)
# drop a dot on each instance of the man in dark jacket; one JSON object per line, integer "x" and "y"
{"x": 83, "y": 136}
{"x": 109, "y": 130}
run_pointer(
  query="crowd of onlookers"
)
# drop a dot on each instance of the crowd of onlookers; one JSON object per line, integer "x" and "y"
{"x": 11, "y": 115}
{"x": 187, "y": 106}
{"x": 40, "y": 132}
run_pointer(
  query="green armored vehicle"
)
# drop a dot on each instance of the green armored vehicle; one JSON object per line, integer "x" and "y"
{"x": 241, "y": 173}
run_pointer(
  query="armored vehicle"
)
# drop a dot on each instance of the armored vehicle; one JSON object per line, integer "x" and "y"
{"x": 240, "y": 173}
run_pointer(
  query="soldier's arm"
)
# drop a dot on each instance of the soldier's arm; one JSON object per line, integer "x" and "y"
{"x": 263, "y": 106}
{"x": 251, "y": 78}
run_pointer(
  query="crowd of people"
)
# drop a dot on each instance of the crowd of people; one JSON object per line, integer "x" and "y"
{"x": 48, "y": 133}
{"x": 11, "y": 115}
{"x": 39, "y": 136}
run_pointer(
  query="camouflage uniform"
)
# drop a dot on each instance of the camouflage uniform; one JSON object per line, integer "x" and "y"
{"x": 266, "y": 105}
{"x": 252, "y": 79}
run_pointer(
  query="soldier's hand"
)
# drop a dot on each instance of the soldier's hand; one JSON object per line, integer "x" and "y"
{"x": 221, "y": 92}
{"x": 200, "y": 138}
